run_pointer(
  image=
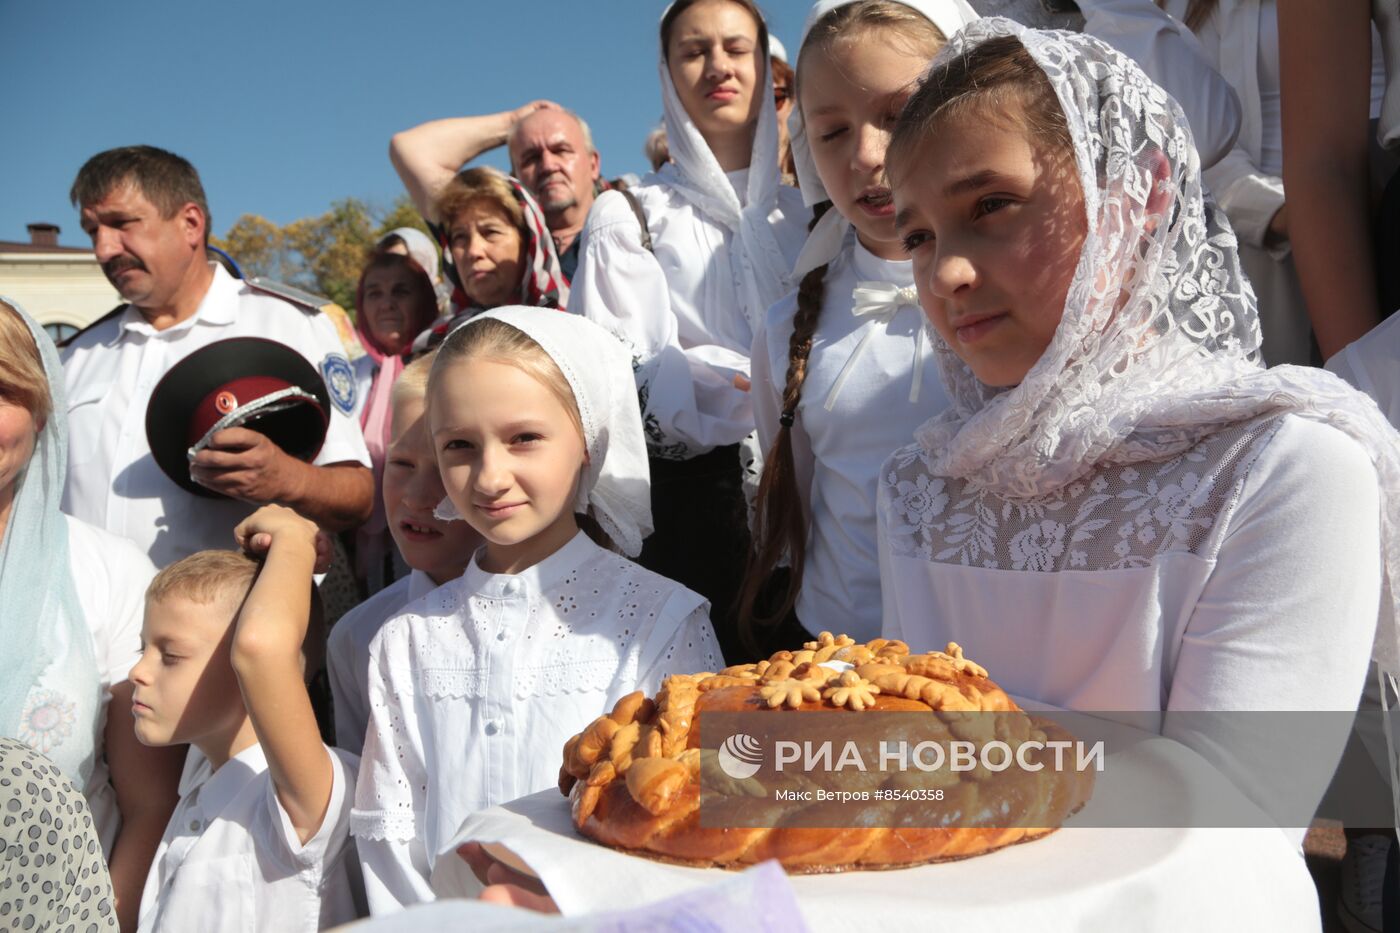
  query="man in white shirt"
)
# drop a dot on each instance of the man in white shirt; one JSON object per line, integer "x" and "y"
{"x": 146, "y": 213}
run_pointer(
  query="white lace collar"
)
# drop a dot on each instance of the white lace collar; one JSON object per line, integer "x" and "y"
{"x": 536, "y": 579}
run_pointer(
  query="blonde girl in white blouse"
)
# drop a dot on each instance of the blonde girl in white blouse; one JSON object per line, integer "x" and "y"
{"x": 1121, "y": 509}
{"x": 841, "y": 371}
{"x": 474, "y": 688}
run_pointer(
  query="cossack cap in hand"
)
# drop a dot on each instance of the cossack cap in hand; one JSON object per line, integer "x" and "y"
{"x": 247, "y": 382}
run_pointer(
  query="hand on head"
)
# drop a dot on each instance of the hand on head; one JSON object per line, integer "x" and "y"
{"x": 273, "y": 523}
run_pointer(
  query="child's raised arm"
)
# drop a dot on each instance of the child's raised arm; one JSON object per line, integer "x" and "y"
{"x": 267, "y": 657}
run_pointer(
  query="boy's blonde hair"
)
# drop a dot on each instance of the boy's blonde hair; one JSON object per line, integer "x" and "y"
{"x": 412, "y": 384}
{"x": 206, "y": 577}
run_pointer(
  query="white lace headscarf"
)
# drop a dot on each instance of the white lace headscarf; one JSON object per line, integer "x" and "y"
{"x": 41, "y": 621}
{"x": 1158, "y": 346}
{"x": 755, "y": 258}
{"x": 615, "y": 489}
{"x": 824, "y": 242}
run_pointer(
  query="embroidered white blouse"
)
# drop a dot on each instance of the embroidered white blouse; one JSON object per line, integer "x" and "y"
{"x": 678, "y": 308}
{"x": 1243, "y": 574}
{"x": 841, "y": 437}
{"x": 347, "y": 654}
{"x": 475, "y": 688}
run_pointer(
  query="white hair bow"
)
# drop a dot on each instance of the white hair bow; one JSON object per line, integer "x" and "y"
{"x": 881, "y": 301}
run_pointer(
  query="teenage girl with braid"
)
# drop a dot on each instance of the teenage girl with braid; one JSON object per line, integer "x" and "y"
{"x": 841, "y": 372}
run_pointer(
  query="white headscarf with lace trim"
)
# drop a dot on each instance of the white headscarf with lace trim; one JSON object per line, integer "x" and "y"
{"x": 615, "y": 489}
{"x": 824, "y": 242}
{"x": 1158, "y": 346}
{"x": 756, "y": 260}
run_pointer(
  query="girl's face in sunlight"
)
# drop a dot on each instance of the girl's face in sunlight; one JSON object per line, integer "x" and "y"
{"x": 994, "y": 221}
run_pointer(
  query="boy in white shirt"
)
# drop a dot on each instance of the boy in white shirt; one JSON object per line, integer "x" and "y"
{"x": 259, "y": 838}
{"x": 437, "y": 551}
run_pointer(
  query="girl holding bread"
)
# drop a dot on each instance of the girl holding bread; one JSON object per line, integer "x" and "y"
{"x": 1121, "y": 509}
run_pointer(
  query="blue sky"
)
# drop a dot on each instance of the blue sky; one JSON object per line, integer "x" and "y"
{"x": 287, "y": 106}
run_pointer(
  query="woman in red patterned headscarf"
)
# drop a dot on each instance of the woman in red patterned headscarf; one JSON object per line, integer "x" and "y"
{"x": 500, "y": 249}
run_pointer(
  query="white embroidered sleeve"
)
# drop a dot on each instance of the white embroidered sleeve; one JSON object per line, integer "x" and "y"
{"x": 689, "y": 403}
{"x": 391, "y": 793}
{"x": 681, "y": 642}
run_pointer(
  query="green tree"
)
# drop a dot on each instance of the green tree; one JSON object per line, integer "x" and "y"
{"x": 319, "y": 254}
{"x": 257, "y": 245}
{"x": 401, "y": 214}
{"x": 333, "y": 248}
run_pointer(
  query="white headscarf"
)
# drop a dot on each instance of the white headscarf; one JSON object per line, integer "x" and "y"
{"x": 615, "y": 488}
{"x": 1148, "y": 376}
{"x": 421, "y": 249}
{"x": 755, "y": 258}
{"x": 824, "y": 242}
{"x": 39, "y": 608}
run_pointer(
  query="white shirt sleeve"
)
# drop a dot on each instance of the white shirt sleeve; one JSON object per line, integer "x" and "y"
{"x": 111, "y": 586}
{"x": 1287, "y": 618}
{"x": 347, "y": 694}
{"x": 689, "y": 402}
{"x": 681, "y": 642}
{"x": 890, "y": 625}
{"x": 391, "y": 794}
{"x": 1372, "y": 364}
{"x": 1170, "y": 55}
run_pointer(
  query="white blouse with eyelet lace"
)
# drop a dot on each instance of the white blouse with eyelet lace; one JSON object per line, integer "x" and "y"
{"x": 475, "y": 688}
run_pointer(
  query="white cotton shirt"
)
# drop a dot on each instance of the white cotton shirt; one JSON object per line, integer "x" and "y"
{"x": 1372, "y": 364}
{"x": 1170, "y": 55}
{"x": 347, "y": 654}
{"x": 1243, "y": 574}
{"x": 838, "y": 451}
{"x": 231, "y": 862}
{"x": 110, "y": 576}
{"x": 678, "y": 308}
{"x": 111, "y": 370}
{"x": 475, "y": 688}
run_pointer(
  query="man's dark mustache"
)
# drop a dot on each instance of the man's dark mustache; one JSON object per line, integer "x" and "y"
{"x": 119, "y": 264}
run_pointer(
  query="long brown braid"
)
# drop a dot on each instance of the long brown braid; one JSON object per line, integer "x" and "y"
{"x": 780, "y": 528}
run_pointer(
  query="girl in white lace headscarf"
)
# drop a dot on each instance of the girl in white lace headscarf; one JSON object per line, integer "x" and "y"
{"x": 475, "y": 687}
{"x": 1121, "y": 509}
{"x": 841, "y": 372}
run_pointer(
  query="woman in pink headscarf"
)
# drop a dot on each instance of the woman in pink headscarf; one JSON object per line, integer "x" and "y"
{"x": 394, "y": 303}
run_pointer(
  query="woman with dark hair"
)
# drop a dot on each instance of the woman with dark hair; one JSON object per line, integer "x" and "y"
{"x": 684, "y": 271}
